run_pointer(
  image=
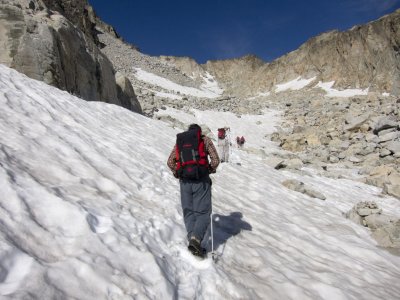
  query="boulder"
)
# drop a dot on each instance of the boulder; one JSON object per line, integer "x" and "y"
{"x": 392, "y": 146}
{"x": 384, "y": 152}
{"x": 391, "y": 189}
{"x": 275, "y": 162}
{"x": 294, "y": 143}
{"x": 376, "y": 220}
{"x": 45, "y": 45}
{"x": 355, "y": 159}
{"x": 312, "y": 139}
{"x": 361, "y": 210}
{"x": 293, "y": 163}
{"x": 384, "y": 123}
{"x": 299, "y": 186}
{"x": 355, "y": 122}
{"x": 388, "y": 235}
{"x": 379, "y": 175}
{"x": 389, "y": 136}
{"x": 385, "y": 229}
{"x": 126, "y": 93}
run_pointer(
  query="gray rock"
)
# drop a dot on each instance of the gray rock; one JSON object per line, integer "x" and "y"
{"x": 294, "y": 185}
{"x": 393, "y": 146}
{"x": 384, "y": 152}
{"x": 293, "y": 163}
{"x": 391, "y": 189}
{"x": 369, "y": 137}
{"x": 376, "y": 220}
{"x": 366, "y": 211}
{"x": 384, "y": 123}
{"x": 50, "y": 48}
{"x": 345, "y": 145}
{"x": 314, "y": 194}
{"x": 388, "y": 235}
{"x": 275, "y": 162}
{"x": 385, "y": 229}
{"x": 333, "y": 159}
{"x": 361, "y": 210}
{"x": 354, "y": 123}
{"x": 355, "y": 159}
{"x": 299, "y": 186}
{"x": 126, "y": 93}
{"x": 386, "y": 131}
{"x": 389, "y": 136}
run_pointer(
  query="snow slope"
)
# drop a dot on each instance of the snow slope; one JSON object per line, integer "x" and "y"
{"x": 209, "y": 89}
{"x": 327, "y": 87}
{"x": 89, "y": 210}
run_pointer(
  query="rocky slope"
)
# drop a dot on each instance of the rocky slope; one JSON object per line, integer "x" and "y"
{"x": 55, "y": 42}
{"x": 361, "y": 133}
{"x": 366, "y": 56}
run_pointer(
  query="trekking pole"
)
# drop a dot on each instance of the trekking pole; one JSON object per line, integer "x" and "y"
{"x": 212, "y": 238}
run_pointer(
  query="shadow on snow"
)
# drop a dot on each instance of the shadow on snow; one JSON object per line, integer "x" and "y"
{"x": 225, "y": 227}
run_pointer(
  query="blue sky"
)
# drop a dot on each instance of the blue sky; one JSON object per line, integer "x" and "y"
{"x": 221, "y": 29}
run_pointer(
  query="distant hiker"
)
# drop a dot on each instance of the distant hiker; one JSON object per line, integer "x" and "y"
{"x": 223, "y": 143}
{"x": 240, "y": 141}
{"x": 188, "y": 161}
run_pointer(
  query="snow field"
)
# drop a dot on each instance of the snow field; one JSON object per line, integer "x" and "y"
{"x": 89, "y": 210}
{"x": 209, "y": 89}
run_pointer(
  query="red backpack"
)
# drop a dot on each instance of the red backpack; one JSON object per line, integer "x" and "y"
{"x": 221, "y": 133}
{"x": 192, "y": 162}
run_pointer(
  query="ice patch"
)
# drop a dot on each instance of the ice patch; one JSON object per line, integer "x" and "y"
{"x": 211, "y": 84}
{"x": 327, "y": 87}
{"x": 207, "y": 91}
{"x": 296, "y": 84}
{"x": 261, "y": 94}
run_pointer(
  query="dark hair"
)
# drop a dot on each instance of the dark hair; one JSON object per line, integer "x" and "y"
{"x": 194, "y": 126}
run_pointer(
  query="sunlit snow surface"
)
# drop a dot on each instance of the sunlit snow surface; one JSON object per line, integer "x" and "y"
{"x": 89, "y": 210}
{"x": 299, "y": 83}
{"x": 209, "y": 89}
{"x": 327, "y": 87}
{"x": 296, "y": 84}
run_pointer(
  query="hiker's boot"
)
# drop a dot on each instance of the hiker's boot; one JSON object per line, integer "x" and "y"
{"x": 195, "y": 247}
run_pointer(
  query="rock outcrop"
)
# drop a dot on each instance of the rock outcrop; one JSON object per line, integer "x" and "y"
{"x": 358, "y": 132}
{"x": 364, "y": 57}
{"x": 299, "y": 186}
{"x": 60, "y": 50}
{"x": 385, "y": 229}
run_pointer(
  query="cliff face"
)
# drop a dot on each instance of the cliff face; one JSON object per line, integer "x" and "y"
{"x": 239, "y": 76}
{"x": 43, "y": 43}
{"x": 364, "y": 56}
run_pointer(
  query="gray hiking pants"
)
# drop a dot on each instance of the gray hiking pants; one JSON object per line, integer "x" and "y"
{"x": 196, "y": 206}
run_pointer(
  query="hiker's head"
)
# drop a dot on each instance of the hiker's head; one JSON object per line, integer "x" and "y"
{"x": 194, "y": 126}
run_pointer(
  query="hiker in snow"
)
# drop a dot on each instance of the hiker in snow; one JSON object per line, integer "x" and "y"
{"x": 188, "y": 161}
{"x": 240, "y": 141}
{"x": 223, "y": 143}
